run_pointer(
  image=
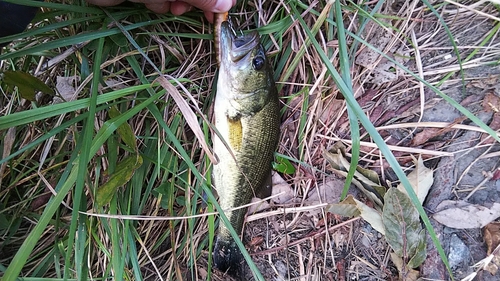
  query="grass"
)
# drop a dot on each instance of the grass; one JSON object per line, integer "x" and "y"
{"x": 110, "y": 183}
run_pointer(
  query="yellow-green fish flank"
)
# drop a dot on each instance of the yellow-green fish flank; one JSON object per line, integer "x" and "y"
{"x": 247, "y": 117}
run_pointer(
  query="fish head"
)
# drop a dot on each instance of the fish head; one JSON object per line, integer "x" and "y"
{"x": 245, "y": 76}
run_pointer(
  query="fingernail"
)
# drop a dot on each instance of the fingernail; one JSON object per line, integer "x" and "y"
{"x": 222, "y": 6}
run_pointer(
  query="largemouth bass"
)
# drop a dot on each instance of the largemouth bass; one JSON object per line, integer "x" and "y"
{"x": 247, "y": 118}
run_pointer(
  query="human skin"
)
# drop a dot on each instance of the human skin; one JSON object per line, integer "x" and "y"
{"x": 209, "y": 7}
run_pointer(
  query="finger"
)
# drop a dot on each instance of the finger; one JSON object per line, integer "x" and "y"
{"x": 178, "y": 8}
{"x": 209, "y": 16}
{"x": 105, "y": 2}
{"x": 159, "y": 8}
{"x": 216, "y": 6}
{"x": 148, "y": 2}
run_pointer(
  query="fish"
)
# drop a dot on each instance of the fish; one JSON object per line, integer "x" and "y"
{"x": 247, "y": 118}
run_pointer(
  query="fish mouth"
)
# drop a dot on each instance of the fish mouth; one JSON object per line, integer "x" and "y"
{"x": 234, "y": 48}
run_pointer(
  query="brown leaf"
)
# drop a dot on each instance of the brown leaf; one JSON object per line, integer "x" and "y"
{"x": 425, "y": 135}
{"x": 494, "y": 125}
{"x": 430, "y": 133}
{"x": 491, "y": 234}
{"x": 491, "y": 102}
{"x": 188, "y": 114}
{"x": 405, "y": 273}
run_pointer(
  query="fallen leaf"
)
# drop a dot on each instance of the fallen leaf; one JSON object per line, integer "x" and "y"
{"x": 123, "y": 173}
{"x": 496, "y": 175}
{"x": 447, "y": 204}
{"x": 494, "y": 125}
{"x": 467, "y": 215}
{"x": 430, "y": 133}
{"x": 351, "y": 207}
{"x": 27, "y": 84}
{"x": 491, "y": 102}
{"x": 346, "y": 208}
{"x": 421, "y": 179}
{"x": 281, "y": 193}
{"x": 405, "y": 273}
{"x": 65, "y": 88}
{"x": 326, "y": 192}
{"x": 280, "y": 186}
{"x": 403, "y": 230}
{"x": 372, "y": 216}
{"x": 366, "y": 180}
{"x": 491, "y": 233}
{"x": 492, "y": 266}
{"x": 425, "y": 135}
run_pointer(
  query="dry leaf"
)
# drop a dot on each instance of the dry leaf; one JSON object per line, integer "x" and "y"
{"x": 421, "y": 179}
{"x": 66, "y": 88}
{"x": 281, "y": 187}
{"x": 491, "y": 103}
{"x": 188, "y": 114}
{"x": 326, "y": 192}
{"x": 467, "y": 215}
{"x": 492, "y": 239}
{"x": 382, "y": 70}
{"x": 492, "y": 236}
{"x": 351, "y": 207}
{"x": 425, "y": 135}
{"x": 406, "y": 274}
{"x": 494, "y": 125}
{"x": 366, "y": 180}
{"x": 346, "y": 208}
{"x": 447, "y": 204}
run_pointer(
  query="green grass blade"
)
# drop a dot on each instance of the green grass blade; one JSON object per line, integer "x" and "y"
{"x": 28, "y": 116}
{"x": 76, "y": 39}
{"x": 345, "y": 69}
{"x": 19, "y": 260}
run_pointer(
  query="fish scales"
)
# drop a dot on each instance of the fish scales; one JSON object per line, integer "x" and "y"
{"x": 247, "y": 118}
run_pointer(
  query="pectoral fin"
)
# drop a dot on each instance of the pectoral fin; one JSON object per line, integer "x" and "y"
{"x": 235, "y": 133}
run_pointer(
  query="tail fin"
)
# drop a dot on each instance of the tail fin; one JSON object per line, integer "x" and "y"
{"x": 227, "y": 256}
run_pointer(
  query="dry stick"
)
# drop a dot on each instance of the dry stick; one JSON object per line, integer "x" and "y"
{"x": 473, "y": 10}
{"x": 395, "y": 148}
{"x": 273, "y": 250}
{"x": 489, "y": 175}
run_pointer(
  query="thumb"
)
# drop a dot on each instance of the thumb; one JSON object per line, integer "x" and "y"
{"x": 216, "y": 6}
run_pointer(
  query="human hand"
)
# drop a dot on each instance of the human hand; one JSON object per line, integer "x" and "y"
{"x": 177, "y": 7}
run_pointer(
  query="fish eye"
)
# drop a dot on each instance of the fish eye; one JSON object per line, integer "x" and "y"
{"x": 258, "y": 63}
